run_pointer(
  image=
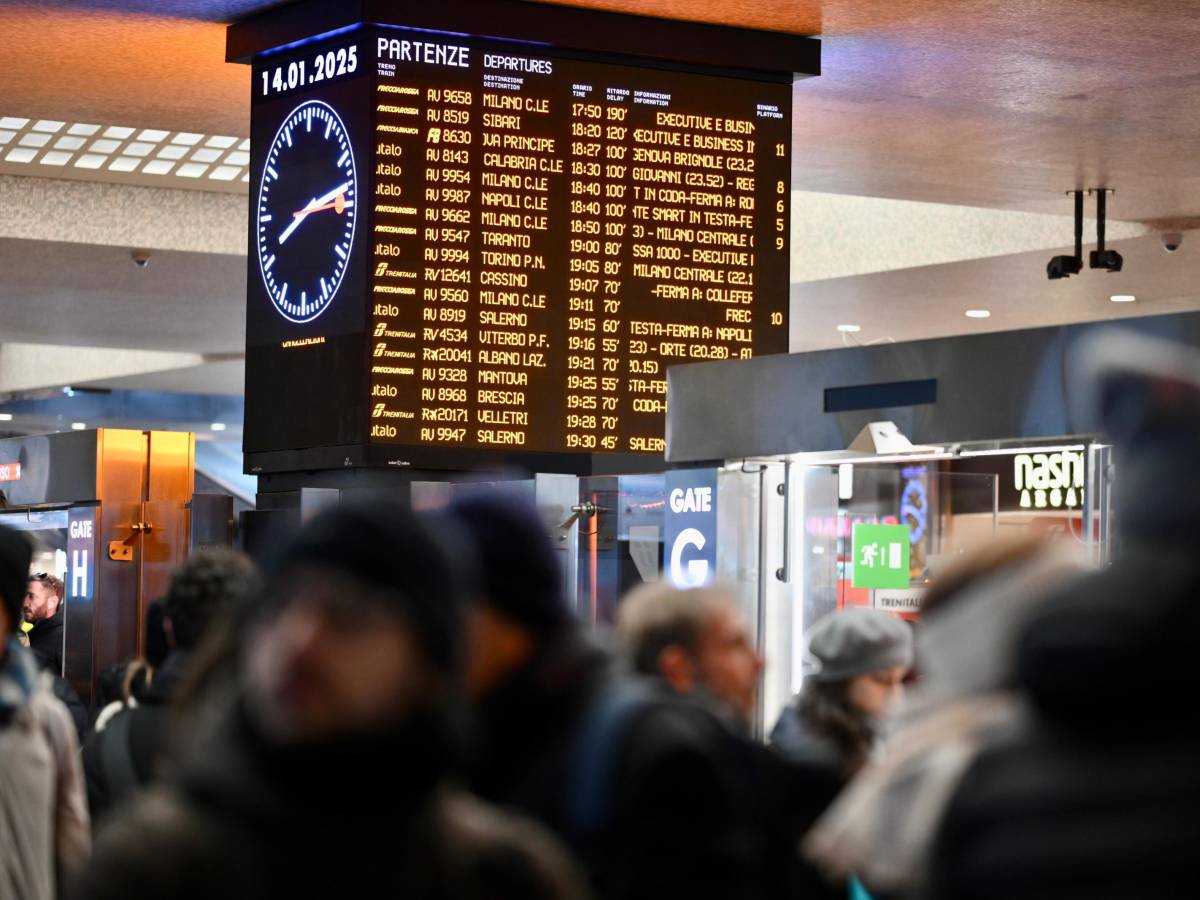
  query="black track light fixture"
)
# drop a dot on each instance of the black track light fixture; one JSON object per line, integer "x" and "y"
{"x": 1065, "y": 266}
{"x": 1109, "y": 260}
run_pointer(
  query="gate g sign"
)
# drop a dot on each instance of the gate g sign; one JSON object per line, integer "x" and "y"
{"x": 691, "y": 527}
{"x": 880, "y": 556}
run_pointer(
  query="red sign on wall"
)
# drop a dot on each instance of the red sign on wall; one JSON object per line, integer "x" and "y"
{"x": 10, "y": 471}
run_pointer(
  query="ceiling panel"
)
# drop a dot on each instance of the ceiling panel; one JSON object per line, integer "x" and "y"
{"x": 95, "y": 296}
{"x": 931, "y": 301}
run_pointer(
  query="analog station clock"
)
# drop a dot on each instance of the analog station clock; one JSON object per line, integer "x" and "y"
{"x": 305, "y": 211}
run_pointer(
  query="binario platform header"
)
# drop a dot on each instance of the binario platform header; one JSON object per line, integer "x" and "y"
{"x": 541, "y": 235}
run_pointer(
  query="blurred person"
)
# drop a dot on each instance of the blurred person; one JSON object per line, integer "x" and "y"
{"x": 882, "y": 827}
{"x": 1095, "y": 791}
{"x": 44, "y": 835}
{"x": 694, "y": 640}
{"x": 326, "y": 771}
{"x": 635, "y": 781}
{"x": 858, "y": 659}
{"x": 43, "y": 610}
{"x": 128, "y": 746}
{"x": 124, "y": 685}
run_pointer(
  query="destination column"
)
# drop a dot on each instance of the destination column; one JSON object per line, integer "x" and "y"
{"x": 522, "y": 168}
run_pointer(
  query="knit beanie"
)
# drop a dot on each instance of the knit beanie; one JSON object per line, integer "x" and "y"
{"x": 520, "y": 576}
{"x": 417, "y": 564}
{"x": 16, "y": 553}
{"x": 857, "y": 641}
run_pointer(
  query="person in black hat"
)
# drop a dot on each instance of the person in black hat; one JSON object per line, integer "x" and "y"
{"x": 1095, "y": 792}
{"x": 326, "y": 770}
{"x": 46, "y": 836}
{"x": 635, "y": 779}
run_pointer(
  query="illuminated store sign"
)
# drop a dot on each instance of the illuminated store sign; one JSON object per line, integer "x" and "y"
{"x": 1049, "y": 480}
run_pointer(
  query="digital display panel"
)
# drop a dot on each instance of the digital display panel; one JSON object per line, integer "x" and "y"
{"x": 523, "y": 240}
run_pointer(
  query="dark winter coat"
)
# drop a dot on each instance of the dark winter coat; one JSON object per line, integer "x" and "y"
{"x": 137, "y": 738}
{"x": 46, "y": 642}
{"x": 1095, "y": 793}
{"x": 675, "y": 821}
{"x": 359, "y": 818}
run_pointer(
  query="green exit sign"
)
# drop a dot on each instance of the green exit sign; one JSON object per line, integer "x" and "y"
{"x": 880, "y": 556}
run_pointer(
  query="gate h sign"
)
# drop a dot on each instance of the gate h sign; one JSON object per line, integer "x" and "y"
{"x": 880, "y": 556}
{"x": 690, "y": 541}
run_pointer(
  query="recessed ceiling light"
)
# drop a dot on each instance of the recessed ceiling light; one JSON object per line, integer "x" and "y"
{"x": 34, "y": 140}
{"x": 206, "y": 155}
{"x": 158, "y": 167}
{"x": 105, "y": 146}
{"x": 191, "y": 170}
{"x": 244, "y": 145}
{"x": 6, "y": 136}
{"x": 120, "y": 132}
{"x": 83, "y": 129}
{"x": 223, "y": 141}
{"x": 850, "y": 329}
{"x": 69, "y": 143}
{"x": 978, "y": 313}
{"x": 13, "y": 122}
{"x": 48, "y": 125}
{"x": 90, "y": 161}
{"x": 55, "y": 158}
{"x": 139, "y": 148}
{"x": 124, "y": 164}
{"x": 187, "y": 138}
{"x": 238, "y": 158}
{"x": 78, "y": 426}
{"x": 225, "y": 173}
{"x": 1122, "y": 298}
{"x": 20, "y": 155}
{"x": 154, "y": 135}
{"x": 6, "y": 417}
{"x": 172, "y": 151}
{"x": 218, "y": 426}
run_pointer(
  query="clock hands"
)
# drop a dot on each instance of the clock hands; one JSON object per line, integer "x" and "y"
{"x": 335, "y": 199}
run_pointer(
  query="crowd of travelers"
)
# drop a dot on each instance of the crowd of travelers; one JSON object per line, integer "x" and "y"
{"x": 402, "y": 704}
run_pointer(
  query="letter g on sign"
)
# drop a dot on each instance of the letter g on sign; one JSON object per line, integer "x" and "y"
{"x": 696, "y": 572}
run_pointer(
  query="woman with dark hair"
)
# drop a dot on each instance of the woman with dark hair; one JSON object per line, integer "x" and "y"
{"x": 858, "y": 659}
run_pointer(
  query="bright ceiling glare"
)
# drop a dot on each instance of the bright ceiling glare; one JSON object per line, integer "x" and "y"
{"x": 849, "y": 329}
{"x": 126, "y": 154}
{"x": 217, "y": 426}
{"x": 78, "y": 426}
{"x": 978, "y": 313}
{"x": 6, "y": 417}
{"x": 1122, "y": 298}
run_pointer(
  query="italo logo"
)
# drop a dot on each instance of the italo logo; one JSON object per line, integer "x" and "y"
{"x": 1049, "y": 480}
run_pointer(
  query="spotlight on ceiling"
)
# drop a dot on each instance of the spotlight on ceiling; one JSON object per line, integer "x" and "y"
{"x": 1109, "y": 260}
{"x": 1065, "y": 266}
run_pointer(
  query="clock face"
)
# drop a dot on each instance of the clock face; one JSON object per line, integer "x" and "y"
{"x": 306, "y": 211}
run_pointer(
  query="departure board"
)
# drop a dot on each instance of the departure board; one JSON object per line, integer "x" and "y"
{"x": 521, "y": 241}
